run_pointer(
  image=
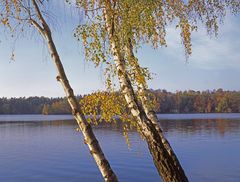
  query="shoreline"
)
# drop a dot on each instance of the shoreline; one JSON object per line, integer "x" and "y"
{"x": 188, "y": 116}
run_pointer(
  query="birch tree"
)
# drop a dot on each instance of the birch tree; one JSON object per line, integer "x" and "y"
{"x": 115, "y": 28}
{"x": 15, "y": 13}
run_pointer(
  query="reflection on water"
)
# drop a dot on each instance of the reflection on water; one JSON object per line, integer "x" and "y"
{"x": 216, "y": 127}
{"x": 54, "y": 151}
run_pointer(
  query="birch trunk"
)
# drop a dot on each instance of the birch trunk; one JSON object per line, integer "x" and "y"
{"x": 144, "y": 102}
{"x": 89, "y": 137}
{"x": 142, "y": 91}
{"x": 164, "y": 158}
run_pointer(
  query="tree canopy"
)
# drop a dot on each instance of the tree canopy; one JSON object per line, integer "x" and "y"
{"x": 138, "y": 22}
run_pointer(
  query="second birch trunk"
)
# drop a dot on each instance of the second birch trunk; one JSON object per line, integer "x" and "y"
{"x": 164, "y": 158}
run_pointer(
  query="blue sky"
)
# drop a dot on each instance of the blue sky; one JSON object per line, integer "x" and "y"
{"x": 215, "y": 63}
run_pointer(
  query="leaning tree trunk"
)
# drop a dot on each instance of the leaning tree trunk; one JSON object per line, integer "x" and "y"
{"x": 89, "y": 137}
{"x": 142, "y": 90}
{"x": 144, "y": 100}
{"x": 164, "y": 158}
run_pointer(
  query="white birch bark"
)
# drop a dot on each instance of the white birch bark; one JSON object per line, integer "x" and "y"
{"x": 89, "y": 137}
{"x": 167, "y": 165}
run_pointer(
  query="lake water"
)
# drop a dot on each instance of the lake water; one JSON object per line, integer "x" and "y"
{"x": 49, "y": 151}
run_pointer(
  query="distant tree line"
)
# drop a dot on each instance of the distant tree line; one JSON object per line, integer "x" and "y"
{"x": 34, "y": 105}
{"x": 216, "y": 101}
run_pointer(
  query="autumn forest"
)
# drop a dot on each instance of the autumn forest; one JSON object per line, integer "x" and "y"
{"x": 216, "y": 101}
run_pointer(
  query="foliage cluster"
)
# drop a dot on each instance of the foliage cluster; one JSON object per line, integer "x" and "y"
{"x": 105, "y": 106}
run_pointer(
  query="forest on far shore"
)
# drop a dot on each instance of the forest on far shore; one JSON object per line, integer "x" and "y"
{"x": 215, "y": 101}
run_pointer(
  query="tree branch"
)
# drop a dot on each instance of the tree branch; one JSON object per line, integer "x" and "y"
{"x": 40, "y": 17}
{"x": 38, "y": 27}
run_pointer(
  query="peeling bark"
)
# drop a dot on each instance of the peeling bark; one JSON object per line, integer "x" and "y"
{"x": 89, "y": 137}
{"x": 164, "y": 158}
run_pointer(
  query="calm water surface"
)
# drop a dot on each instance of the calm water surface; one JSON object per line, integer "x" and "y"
{"x": 53, "y": 151}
